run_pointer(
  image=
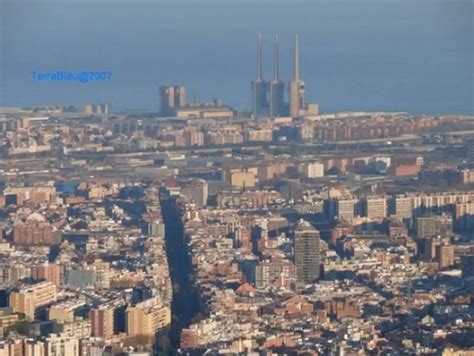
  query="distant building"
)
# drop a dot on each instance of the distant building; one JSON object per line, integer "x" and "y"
{"x": 100, "y": 109}
{"x": 406, "y": 166}
{"x": 428, "y": 246}
{"x": 466, "y": 176}
{"x": 7, "y": 318}
{"x": 380, "y": 164}
{"x": 87, "y": 109}
{"x": 193, "y": 137}
{"x": 464, "y": 216}
{"x": 242, "y": 179}
{"x": 61, "y": 345}
{"x": 296, "y": 86}
{"x": 34, "y": 231}
{"x": 396, "y": 228}
{"x": 467, "y": 265}
{"x": 146, "y": 318}
{"x": 156, "y": 229}
{"x": 275, "y": 273}
{"x": 277, "y": 88}
{"x": 342, "y": 228}
{"x": 305, "y": 131}
{"x": 65, "y": 311}
{"x": 402, "y": 207}
{"x": 268, "y": 97}
{"x": 189, "y": 339}
{"x": 243, "y": 238}
{"x": 203, "y": 112}
{"x": 224, "y": 137}
{"x": 102, "y": 321}
{"x": 445, "y": 255}
{"x": 48, "y": 272}
{"x": 80, "y": 278}
{"x": 196, "y": 191}
{"x": 172, "y": 97}
{"x": 311, "y": 170}
{"x": 341, "y": 208}
{"x": 260, "y": 102}
{"x": 271, "y": 170}
{"x": 27, "y": 299}
{"x": 291, "y": 189}
{"x": 434, "y": 225}
{"x": 307, "y": 252}
{"x": 374, "y": 207}
{"x": 258, "y": 135}
{"x": 296, "y": 90}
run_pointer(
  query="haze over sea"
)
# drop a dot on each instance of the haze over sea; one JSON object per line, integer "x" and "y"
{"x": 371, "y": 55}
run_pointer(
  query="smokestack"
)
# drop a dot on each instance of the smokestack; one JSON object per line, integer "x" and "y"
{"x": 276, "y": 73}
{"x": 259, "y": 58}
{"x": 297, "y": 59}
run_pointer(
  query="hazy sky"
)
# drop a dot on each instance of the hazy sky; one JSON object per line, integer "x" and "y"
{"x": 402, "y": 55}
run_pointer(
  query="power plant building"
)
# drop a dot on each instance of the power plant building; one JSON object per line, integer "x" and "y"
{"x": 277, "y": 88}
{"x": 268, "y": 97}
{"x": 260, "y": 104}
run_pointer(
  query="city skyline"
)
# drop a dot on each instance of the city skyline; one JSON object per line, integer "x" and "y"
{"x": 238, "y": 177}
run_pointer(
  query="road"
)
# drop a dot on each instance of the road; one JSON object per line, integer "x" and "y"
{"x": 185, "y": 302}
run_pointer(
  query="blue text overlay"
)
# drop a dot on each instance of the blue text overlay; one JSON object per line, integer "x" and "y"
{"x": 82, "y": 77}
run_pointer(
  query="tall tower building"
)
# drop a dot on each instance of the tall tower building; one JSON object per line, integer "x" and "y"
{"x": 166, "y": 99}
{"x": 179, "y": 96}
{"x": 307, "y": 252}
{"x": 277, "y": 87}
{"x": 296, "y": 86}
{"x": 171, "y": 98}
{"x": 260, "y": 105}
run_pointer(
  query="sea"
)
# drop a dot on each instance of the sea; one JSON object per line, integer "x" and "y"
{"x": 415, "y": 56}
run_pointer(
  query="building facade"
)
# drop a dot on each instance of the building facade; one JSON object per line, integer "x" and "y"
{"x": 307, "y": 252}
